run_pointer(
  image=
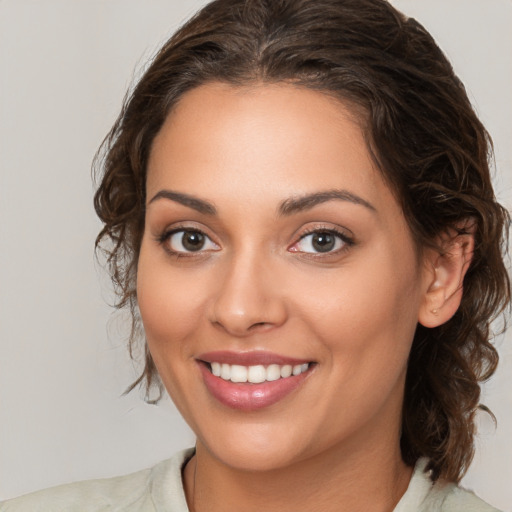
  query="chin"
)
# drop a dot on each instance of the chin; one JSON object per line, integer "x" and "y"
{"x": 253, "y": 459}
{"x": 255, "y": 447}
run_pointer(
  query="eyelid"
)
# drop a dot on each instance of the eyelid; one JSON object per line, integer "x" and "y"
{"x": 340, "y": 233}
{"x": 165, "y": 236}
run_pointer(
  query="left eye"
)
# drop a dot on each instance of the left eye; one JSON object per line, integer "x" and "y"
{"x": 189, "y": 241}
{"x": 319, "y": 242}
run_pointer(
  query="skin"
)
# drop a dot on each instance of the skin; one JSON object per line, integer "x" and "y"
{"x": 257, "y": 285}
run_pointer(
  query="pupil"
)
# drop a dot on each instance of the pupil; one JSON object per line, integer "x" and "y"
{"x": 323, "y": 242}
{"x": 192, "y": 240}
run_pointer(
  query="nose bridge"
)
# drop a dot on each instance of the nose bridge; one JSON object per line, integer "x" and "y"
{"x": 247, "y": 298}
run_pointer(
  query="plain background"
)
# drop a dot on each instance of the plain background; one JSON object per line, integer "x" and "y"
{"x": 64, "y": 68}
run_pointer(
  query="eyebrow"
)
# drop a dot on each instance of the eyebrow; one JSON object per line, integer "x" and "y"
{"x": 286, "y": 208}
{"x": 195, "y": 203}
{"x": 308, "y": 201}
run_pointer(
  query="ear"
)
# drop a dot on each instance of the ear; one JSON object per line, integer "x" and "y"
{"x": 445, "y": 269}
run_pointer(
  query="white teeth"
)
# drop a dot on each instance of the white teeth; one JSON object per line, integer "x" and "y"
{"x": 238, "y": 373}
{"x": 273, "y": 372}
{"x": 216, "y": 369}
{"x": 256, "y": 374}
{"x": 286, "y": 370}
{"x": 225, "y": 372}
{"x": 297, "y": 369}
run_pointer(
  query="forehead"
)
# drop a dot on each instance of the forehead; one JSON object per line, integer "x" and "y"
{"x": 277, "y": 139}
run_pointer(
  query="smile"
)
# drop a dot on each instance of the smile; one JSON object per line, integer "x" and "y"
{"x": 256, "y": 374}
{"x": 251, "y": 381}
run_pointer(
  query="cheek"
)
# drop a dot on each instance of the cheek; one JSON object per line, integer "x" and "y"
{"x": 367, "y": 312}
{"x": 171, "y": 302}
{"x": 171, "y": 308}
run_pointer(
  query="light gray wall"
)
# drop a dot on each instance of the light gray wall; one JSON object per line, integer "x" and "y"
{"x": 64, "y": 67}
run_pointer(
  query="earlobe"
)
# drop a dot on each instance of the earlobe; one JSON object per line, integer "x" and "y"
{"x": 445, "y": 273}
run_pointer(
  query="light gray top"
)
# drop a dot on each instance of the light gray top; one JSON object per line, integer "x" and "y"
{"x": 160, "y": 489}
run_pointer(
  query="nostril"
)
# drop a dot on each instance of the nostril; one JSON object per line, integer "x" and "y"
{"x": 259, "y": 326}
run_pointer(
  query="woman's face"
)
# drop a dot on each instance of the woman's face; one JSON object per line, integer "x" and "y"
{"x": 272, "y": 246}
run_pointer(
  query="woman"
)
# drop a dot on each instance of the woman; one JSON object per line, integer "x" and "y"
{"x": 299, "y": 201}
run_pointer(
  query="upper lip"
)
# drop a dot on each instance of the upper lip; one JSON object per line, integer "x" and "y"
{"x": 253, "y": 358}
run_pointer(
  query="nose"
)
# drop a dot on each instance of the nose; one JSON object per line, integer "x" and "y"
{"x": 249, "y": 297}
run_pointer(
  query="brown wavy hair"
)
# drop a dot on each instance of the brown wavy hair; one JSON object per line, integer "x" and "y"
{"x": 422, "y": 133}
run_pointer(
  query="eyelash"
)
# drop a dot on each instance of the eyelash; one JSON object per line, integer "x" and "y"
{"x": 347, "y": 241}
{"x": 166, "y": 236}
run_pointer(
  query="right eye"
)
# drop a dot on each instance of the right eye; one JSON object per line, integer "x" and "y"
{"x": 188, "y": 241}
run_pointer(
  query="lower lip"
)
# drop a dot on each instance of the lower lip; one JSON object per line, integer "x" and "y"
{"x": 250, "y": 397}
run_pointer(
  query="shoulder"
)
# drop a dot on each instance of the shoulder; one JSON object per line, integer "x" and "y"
{"x": 456, "y": 499}
{"x": 424, "y": 496}
{"x": 144, "y": 491}
{"x": 129, "y": 492}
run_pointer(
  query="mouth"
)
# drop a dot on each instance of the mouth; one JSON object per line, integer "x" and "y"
{"x": 252, "y": 381}
{"x": 256, "y": 374}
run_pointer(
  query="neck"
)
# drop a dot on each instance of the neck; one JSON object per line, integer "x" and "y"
{"x": 372, "y": 480}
